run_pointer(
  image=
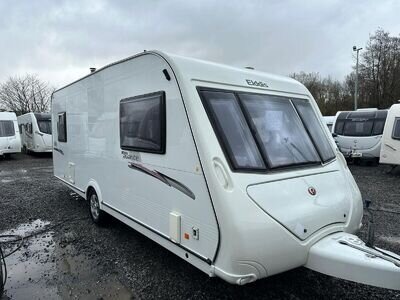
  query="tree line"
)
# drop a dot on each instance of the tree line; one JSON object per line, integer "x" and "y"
{"x": 379, "y": 78}
{"x": 23, "y": 94}
{"x": 379, "y": 83}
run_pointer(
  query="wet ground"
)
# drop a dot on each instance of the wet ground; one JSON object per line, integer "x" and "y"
{"x": 67, "y": 257}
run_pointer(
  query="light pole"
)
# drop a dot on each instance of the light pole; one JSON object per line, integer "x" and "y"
{"x": 356, "y": 84}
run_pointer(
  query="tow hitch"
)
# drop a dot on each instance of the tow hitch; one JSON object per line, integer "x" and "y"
{"x": 344, "y": 255}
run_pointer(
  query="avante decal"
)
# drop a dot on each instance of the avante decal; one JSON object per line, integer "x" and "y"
{"x": 163, "y": 178}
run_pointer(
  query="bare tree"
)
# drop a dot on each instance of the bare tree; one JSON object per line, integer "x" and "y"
{"x": 380, "y": 70}
{"x": 25, "y": 94}
{"x": 331, "y": 95}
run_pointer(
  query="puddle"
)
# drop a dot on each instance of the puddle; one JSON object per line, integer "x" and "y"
{"x": 46, "y": 269}
{"x": 30, "y": 267}
{"x": 6, "y": 180}
{"x": 8, "y": 173}
{"x": 78, "y": 283}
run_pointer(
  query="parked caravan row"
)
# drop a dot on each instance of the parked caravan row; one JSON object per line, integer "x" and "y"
{"x": 390, "y": 150}
{"x": 10, "y": 141}
{"x": 359, "y": 133}
{"x": 231, "y": 169}
{"x": 35, "y": 131}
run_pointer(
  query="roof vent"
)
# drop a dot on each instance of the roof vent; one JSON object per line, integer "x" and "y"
{"x": 250, "y": 68}
{"x": 92, "y": 70}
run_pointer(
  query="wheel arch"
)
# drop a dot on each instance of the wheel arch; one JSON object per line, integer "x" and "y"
{"x": 93, "y": 185}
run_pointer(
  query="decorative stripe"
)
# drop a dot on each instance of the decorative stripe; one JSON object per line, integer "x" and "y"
{"x": 58, "y": 150}
{"x": 164, "y": 179}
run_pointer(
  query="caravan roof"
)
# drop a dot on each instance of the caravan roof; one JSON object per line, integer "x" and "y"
{"x": 190, "y": 69}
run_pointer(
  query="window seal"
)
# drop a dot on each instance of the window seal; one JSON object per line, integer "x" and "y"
{"x": 163, "y": 123}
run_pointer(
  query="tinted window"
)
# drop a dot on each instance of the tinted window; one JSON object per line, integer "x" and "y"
{"x": 232, "y": 130}
{"x": 7, "y": 128}
{"x": 378, "y": 127}
{"x": 339, "y": 126}
{"x": 361, "y": 123}
{"x": 314, "y": 128}
{"x": 396, "y": 129}
{"x": 62, "y": 127}
{"x": 142, "y": 123}
{"x": 358, "y": 128}
{"x": 44, "y": 126}
{"x": 281, "y": 133}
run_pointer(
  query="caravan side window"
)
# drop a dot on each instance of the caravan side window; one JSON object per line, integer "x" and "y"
{"x": 62, "y": 127}
{"x": 396, "y": 129}
{"x": 142, "y": 123}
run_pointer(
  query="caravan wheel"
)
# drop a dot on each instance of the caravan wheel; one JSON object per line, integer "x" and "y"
{"x": 98, "y": 216}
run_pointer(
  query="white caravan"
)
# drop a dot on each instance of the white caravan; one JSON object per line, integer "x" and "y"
{"x": 10, "y": 141}
{"x": 36, "y": 132}
{"x": 329, "y": 120}
{"x": 359, "y": 133}
{"x": 390, "y": 150}
{"x": 231, "y": 169}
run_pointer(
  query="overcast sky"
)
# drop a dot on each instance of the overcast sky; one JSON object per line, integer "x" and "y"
{"x": 60, "y": 40}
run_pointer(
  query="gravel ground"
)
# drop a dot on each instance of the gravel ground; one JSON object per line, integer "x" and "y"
{"x": 78, "y": 260}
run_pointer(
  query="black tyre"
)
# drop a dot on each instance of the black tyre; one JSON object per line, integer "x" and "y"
{"x": 98, "y": 216}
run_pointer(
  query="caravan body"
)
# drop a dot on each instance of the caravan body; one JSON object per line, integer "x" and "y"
{"x": 36, "y": 132}
{"x": 359, "y": 133}
{"x": 231, "y": 169}
{"x": 10, "y": 140}
{"x": 390, "y": 150}
{"x": 329, "y": 121}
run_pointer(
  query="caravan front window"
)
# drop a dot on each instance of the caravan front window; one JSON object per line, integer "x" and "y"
{"x": 361, "y": 123}
{"x": 264, "y": 131}
{"x": 234, "y": 132}
{"x": 44, "y": 126}
{"x": 7, "y": 128}
{"x": 282, "y": 136}
{"x": 396, "y": 129}
{"x": 358, "y": 128}
{"x": 310, "y": 120}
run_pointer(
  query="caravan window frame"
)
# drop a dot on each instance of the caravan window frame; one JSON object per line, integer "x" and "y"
{"x": 65, "y": 138}
{"x": 395, "y": 124}
{"x": 162, "y": 120}
{"x": 267, "y": 168}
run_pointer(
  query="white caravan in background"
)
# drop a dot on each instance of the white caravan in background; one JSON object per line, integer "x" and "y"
{"x": 329, "y": 120}
{"x": 390, "y": 150}
{"x": 359, "y": 133}
{"x": 231, "y": 169}
{"x": 10, "y": 140}
{"x": 36, "y": 132}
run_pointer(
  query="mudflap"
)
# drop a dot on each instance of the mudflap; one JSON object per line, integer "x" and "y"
{"x": 345, "y": 256}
